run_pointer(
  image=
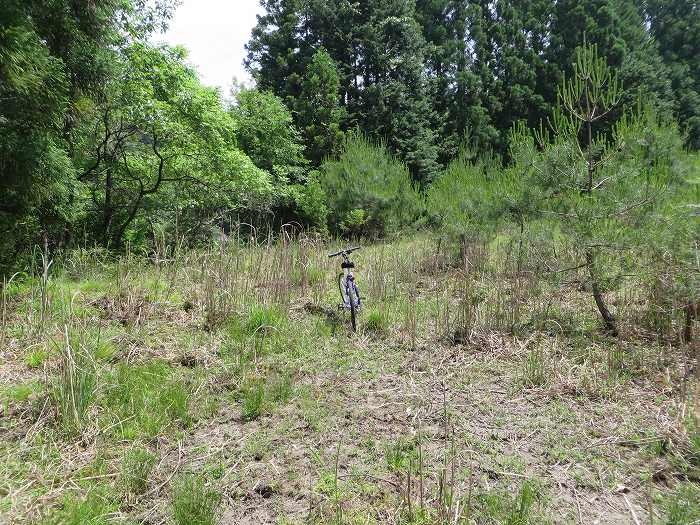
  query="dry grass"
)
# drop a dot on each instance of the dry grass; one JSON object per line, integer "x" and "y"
{"x": 473, "y": 394}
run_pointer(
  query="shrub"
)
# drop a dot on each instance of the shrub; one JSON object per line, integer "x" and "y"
{"x": 462, "y": 200}
{"x": 370, "y": 192}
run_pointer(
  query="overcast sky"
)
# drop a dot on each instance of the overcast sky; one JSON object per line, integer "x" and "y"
{"x": 214, "y": 32}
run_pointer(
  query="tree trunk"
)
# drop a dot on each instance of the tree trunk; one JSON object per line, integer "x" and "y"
{"x": 608, "y": 318}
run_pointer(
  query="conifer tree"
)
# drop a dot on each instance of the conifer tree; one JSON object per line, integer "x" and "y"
{"x": 675, "y": 25}
{"x": 318, "y": 108}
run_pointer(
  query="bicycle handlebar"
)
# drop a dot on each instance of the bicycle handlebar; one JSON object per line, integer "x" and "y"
{"x": 344, "y": 252}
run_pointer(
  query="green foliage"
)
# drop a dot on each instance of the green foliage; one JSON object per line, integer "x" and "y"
{"x": 675, "y": 25}
{"x": 94, "y": 509}
{"x": 682, "y": 506}
{"x": 263, "y": 319}
{"x": 462, "y": 200}
{"x": 370, "y": 192}
{"x": 253, "y": 399}
{"x": 193, "y": 503}
{"x": 266, "y": 133}
{"x": 597, "y": 187}
{"x": 515, "y": 509}
{"x": 376, "y": 320}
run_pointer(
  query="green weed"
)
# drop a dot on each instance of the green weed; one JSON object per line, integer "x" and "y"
{"x": 193, "y": 503}
{"x": 141, "y": 401}
{"x": 74, "y": 389}
{"x": 501, "y": 507}
{"x": 376, "y": 320}
{"x": 136, "y": 466}
{"x": 401, "y": 455}
{"x": 682, "y": 506}
{"x": 253, "y": 399}
{"x": 263, "y": 319}
{"x": 535, "y": 371}
{"x": 36, "y": 358}
{"x": 94, "y": 509}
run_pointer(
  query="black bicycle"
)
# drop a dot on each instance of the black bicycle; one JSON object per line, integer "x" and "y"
{"x": 349, "y": 293}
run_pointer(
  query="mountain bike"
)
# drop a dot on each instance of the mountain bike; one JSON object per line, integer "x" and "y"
{"x": 349, "y": 293}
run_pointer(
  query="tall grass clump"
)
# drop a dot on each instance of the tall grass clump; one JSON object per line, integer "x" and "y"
{"x": 370, "y": 192}
{"x": 96, "y": 508}
{"x": 137, "y": 465}
{"x": 74, "y": 388}
{"x": 193, "y": 503}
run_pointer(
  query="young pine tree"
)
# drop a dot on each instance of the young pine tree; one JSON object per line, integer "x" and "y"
{"x": 599, "y": 187}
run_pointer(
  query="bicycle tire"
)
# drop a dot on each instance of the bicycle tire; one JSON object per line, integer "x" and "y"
{"x": 352, "y": 294}
{"x": 341, "y": 288}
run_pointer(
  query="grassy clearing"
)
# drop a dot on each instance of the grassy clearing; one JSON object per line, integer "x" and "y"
{"x": 222, "y": 388}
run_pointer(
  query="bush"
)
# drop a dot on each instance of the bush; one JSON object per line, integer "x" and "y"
{"x": 463, "y": 201}
{"x": 370, "y": 193}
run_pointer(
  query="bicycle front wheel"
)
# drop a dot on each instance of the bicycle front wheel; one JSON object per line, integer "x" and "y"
{"x": 352, "y": 295}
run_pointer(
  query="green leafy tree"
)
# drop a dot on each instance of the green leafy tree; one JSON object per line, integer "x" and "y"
{"x": 266, "y": 133}
{"x": 160, "y": 134}
{"x": 318, "y": 108}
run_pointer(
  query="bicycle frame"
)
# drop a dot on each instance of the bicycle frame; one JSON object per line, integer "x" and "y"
{"x": 350, "y": 280}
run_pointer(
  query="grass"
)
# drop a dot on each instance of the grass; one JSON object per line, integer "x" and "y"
{"x": 143, "y": 401}
{"x": 253, "y": 399}
{"x": 193, "y": 503}
{"x": 74, "y": 389}
{"x": 136, "y": 467}
{"x": 94, "y": 509}
{"x": 218, "y": 369}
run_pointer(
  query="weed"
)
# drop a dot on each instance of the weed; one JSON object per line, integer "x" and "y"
{"x": 136, "y": 467}
{"x": 253, "y": 399}
{"x": 401, "y": 455}
{"x": 501, "y": 507}
{"x": 94, "y": 509}
{"x": 263, "y": 319}
{"x": 36, "y": 358}
{"x": 281, "y": 387}
{"x": 534, "y": 372}
{"x": 193, "y": 503}
{"x": 74, "y": 388}
{"x": 682, "y": 506}
{"x": 376, "y": 320}
{"x": 140, "y": 401}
